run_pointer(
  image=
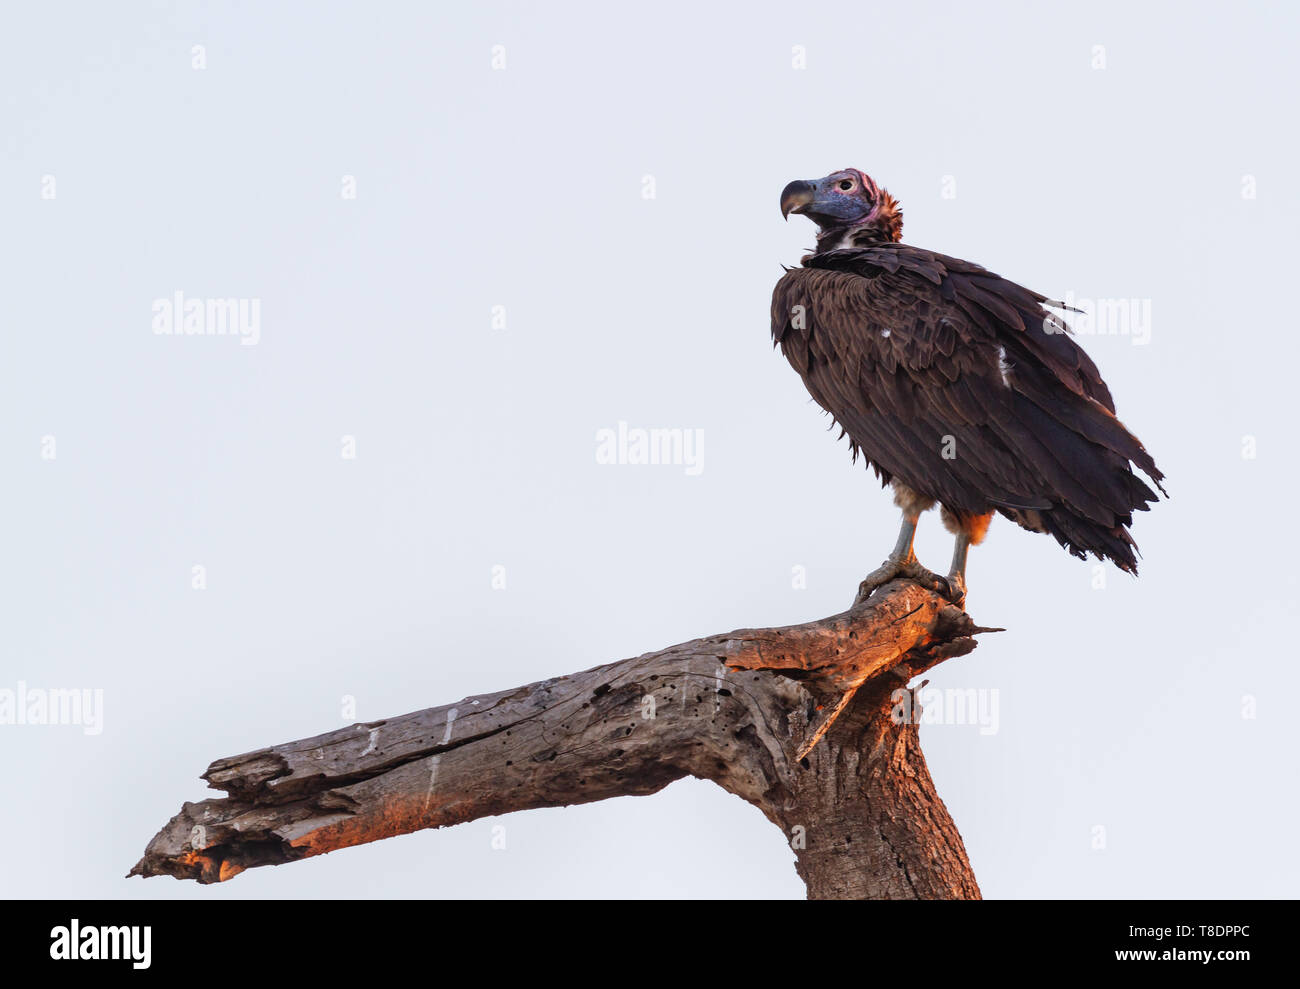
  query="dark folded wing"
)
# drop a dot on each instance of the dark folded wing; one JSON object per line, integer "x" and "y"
{"x": 965, "y": 387}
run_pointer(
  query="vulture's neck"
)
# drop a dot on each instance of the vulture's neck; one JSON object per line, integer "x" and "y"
{"x": 846, "y": 238}
{"x": 883, "y": 226}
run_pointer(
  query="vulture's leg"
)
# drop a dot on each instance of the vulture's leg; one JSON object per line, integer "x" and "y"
{"x": 969, "y": 530}
{"x": 957, "y": 572}
{"x": 893, "y": 566}
{"x": 903, "y": 548}
{"x": 902, "y": 561}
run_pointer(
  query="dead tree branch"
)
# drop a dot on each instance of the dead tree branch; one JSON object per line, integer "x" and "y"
{"x": 795, "y": 720}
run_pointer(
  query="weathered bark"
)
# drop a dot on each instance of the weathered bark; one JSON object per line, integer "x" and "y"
{"x": 795, "y": 720}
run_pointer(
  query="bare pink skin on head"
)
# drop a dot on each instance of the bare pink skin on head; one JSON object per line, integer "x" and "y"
{"x": 849, "y": 208}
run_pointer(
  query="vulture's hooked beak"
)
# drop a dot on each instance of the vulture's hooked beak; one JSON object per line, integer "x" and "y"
{"x": 797, "y": 197}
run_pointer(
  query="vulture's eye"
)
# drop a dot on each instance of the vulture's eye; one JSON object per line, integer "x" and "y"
{"x": 846, "y": 184}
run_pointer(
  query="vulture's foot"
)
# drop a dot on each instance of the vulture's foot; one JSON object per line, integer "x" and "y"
{"x": 911, "y": 569}
{"x": 879, "y": 577}
{"x": 956, "y": 589}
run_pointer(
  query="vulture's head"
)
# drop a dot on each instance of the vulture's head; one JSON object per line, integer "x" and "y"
{"x": 850, "y": 210}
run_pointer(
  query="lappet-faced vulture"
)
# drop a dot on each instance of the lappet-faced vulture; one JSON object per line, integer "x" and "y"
{"x": 957, "y": 386}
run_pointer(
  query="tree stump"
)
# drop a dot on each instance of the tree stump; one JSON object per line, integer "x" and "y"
{"x": 800, "y": 721}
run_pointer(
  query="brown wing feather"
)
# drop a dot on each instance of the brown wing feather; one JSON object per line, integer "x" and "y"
{"x": 915, "y": 354}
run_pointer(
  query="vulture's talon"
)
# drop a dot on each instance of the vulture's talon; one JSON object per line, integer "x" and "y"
{"x": 931, "y": 581}
{"x": 912, "y": 570}
{"x": 878, "y": 578}
{"x": 956, "y": 592}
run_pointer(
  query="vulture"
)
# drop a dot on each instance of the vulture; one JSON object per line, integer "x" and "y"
{"x": 957, "y": 387}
